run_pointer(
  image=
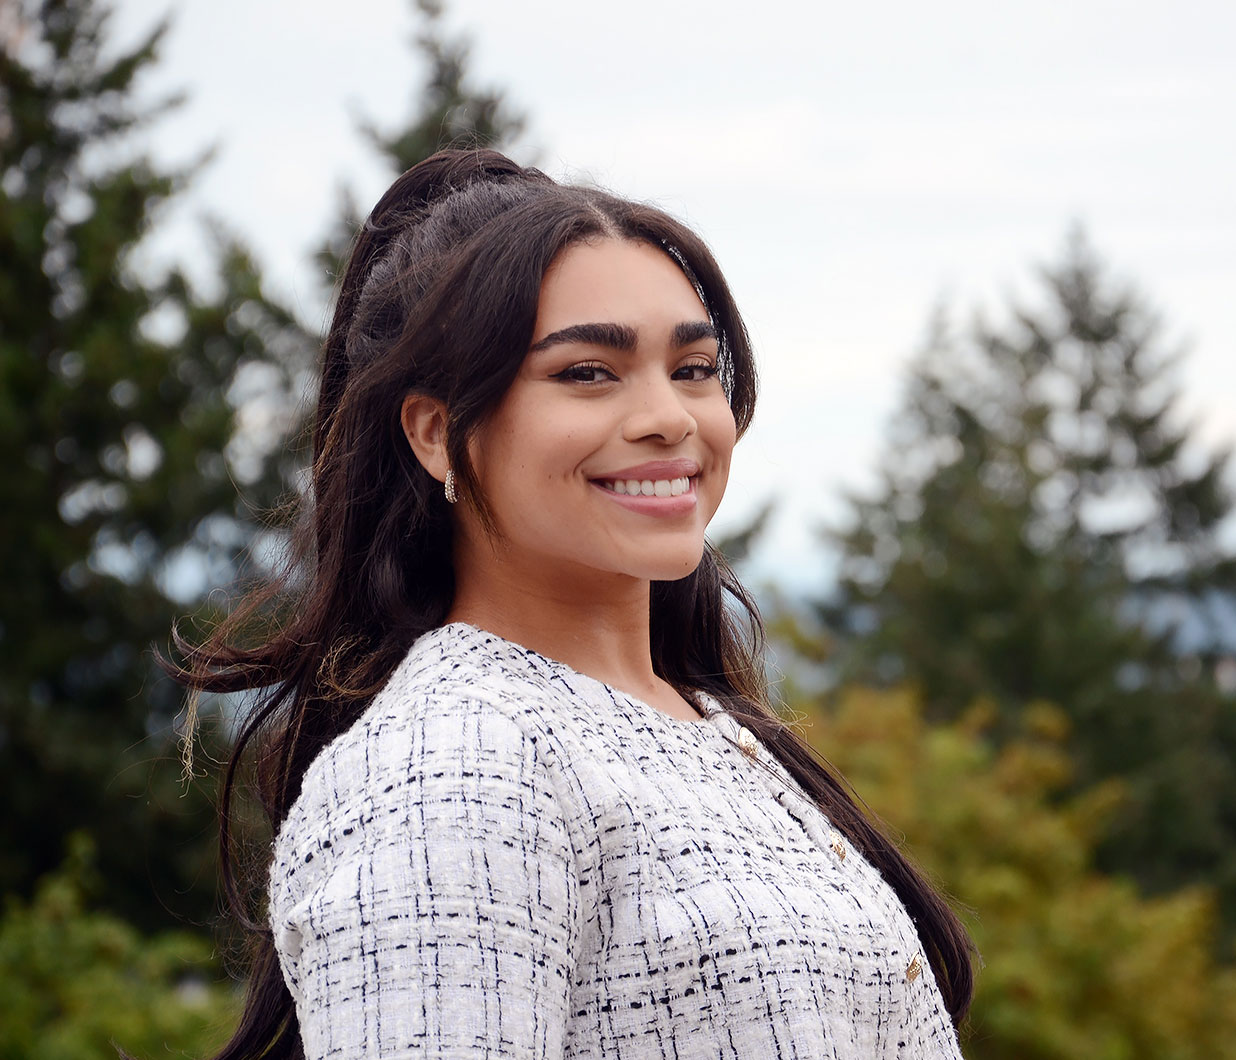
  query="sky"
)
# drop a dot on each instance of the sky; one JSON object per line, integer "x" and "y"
{"x": 852, "y": 166}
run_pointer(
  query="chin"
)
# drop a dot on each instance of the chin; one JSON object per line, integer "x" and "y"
{"x": 672, "y": 570}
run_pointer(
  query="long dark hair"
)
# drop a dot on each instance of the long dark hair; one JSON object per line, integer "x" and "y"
{"x": 440, "y": 297}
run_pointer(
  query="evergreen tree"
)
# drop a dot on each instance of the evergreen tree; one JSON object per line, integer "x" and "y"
{"x": 121, "y": 401}
{"x": 1044, "y": 530}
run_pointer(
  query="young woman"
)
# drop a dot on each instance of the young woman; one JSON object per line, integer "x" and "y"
{"x": 529, "y": 797}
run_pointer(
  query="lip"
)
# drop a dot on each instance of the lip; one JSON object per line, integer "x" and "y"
{"x": 683, "y": 504}
{"x": 653, "y": 469}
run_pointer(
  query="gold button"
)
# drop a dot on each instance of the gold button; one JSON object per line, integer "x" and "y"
{"x": 915, "y": 969}
{"x": 748, "y": 743}
{"x": 837, "y": 846}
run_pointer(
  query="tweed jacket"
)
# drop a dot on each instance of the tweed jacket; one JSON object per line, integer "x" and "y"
{"x": 504, "y": 858}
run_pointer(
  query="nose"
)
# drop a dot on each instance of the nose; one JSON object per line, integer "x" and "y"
{"x": 658, "y": 410}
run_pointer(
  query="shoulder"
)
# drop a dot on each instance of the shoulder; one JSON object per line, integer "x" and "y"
{"x": 452, "y": 716}
{"x": 452, "y": 688}
{"x": 437, "y": 807}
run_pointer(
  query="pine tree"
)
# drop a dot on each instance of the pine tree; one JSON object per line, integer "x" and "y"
{"x": 1045, "y": 530}
{"x": 121, "y": 401}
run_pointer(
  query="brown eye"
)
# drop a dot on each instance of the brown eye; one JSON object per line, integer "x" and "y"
{"x": 584, "y": 373}
{"x": 695, "y": 373}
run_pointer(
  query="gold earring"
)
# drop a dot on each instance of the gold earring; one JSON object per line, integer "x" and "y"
{"x": 451, "y": 495}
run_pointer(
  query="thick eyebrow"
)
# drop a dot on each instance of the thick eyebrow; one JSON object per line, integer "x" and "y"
{"x": 615, "y": 336}
{"x": 692, "y": 331}
{"x": 621, "y": 337}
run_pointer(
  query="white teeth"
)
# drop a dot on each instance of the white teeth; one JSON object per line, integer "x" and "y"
{"x": 662, "y": 487}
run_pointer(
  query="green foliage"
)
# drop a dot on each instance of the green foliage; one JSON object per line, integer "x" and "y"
{"x": 1042, "y": 518}
{"x": 122, "y": 397}
{"x": 75, "y": 983}
{"x": 1077, "y": 964}
{"x": 1033, "y": 474}
{"x": 132, "y": 407}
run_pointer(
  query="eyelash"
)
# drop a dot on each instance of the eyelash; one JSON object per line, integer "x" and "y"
{"x": 571, "y": 374}
{"x": 707, "y": 368}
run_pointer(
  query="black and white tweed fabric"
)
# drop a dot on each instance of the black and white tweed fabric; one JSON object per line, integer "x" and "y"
{"x": 505, "y": 858}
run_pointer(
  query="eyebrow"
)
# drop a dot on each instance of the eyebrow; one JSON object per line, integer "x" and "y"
{"x": 692, "y": 331}
{"x": 621, "y": 336}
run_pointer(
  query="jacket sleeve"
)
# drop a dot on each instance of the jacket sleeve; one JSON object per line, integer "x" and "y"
{"x": 424, "y": 895}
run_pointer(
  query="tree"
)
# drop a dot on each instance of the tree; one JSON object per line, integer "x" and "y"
{"x": 122, "y": 401}
{"x": 1041, "y": 521}
{"x": 1075, "y": 964}
{"x": 132, "y": 407}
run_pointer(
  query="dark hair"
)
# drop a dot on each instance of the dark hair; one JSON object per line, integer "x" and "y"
{"x": 440, "y": 297}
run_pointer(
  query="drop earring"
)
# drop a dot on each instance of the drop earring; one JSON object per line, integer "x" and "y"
{"x": 451, "y": 495}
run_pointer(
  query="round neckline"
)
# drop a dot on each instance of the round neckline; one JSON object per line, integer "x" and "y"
{"x": 709, "y": 707}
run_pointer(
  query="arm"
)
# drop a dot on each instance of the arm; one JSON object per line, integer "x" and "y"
{"x": 432, "y": 912}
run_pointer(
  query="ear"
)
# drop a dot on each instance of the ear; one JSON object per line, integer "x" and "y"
{"x": 424, "y": 425}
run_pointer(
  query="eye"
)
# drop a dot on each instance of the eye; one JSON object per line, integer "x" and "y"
{"x": 588, "y": 372}
{"x": 695, "y": 373}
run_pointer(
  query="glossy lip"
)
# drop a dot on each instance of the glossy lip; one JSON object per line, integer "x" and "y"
{"x": 680, "y": 467}
{"x": 654, "y": 470}
{"x": 683, "y": 504}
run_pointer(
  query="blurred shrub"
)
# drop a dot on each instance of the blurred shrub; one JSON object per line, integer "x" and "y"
{"x": 74, "y": 984}
{"x": 1077, "y": 964}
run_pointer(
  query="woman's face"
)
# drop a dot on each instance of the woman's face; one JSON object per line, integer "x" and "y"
{"x": 611, "y": 450}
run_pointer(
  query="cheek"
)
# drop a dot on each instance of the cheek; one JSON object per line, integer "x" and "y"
{"x": 495, "y": 449}
{"x": 718, "y": 430}
{"x": 522, "y": 467}
{"x": 721, "y": 432}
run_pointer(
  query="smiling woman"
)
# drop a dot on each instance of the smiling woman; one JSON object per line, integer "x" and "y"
{"x": 530, "y": 799}
{"x": 619, "y": 387}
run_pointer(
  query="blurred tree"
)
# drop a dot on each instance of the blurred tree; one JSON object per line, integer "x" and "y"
{"x": 131, "y": 407}
{"x": 1076, "y": 964}
{"x": 1044, "y": 530}
{"x": 75, "y": 982}
{"x": 447, "y": 111}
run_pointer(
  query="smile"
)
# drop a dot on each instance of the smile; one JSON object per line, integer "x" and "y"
{"x": 661, "y": 487}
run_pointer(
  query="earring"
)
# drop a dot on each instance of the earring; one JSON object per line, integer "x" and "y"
{"x": 451, "y": 495}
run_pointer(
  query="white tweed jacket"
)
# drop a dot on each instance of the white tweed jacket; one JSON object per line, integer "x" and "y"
{"x": 504, "y": 858}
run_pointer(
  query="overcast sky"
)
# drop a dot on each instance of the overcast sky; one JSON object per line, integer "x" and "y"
{"x": 851, "y": 165}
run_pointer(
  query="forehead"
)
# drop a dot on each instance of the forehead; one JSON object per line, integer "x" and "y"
{"x": 615, "y": 280}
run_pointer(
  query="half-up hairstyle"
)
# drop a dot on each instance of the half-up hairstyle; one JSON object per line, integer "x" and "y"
{"x": 440, "y": 297}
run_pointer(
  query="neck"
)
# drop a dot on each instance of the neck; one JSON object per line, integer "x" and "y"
{"x": 597, "y": 625}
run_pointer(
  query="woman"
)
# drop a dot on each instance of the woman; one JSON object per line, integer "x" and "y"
{"x": 529, "y": 796}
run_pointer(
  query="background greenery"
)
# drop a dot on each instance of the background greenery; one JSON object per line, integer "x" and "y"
{"x": 1026, "y": 663}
